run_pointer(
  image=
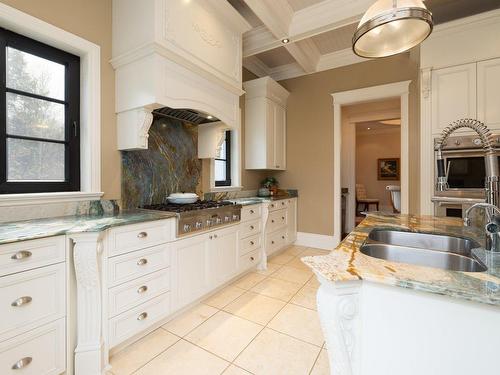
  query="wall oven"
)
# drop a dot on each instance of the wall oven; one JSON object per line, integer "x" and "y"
{"x": 464, "y": 160}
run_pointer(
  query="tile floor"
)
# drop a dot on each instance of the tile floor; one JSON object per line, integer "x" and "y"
{"x": 265, "y": 323}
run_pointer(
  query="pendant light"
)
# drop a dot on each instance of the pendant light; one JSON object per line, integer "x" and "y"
{"x": 390, "y": 27}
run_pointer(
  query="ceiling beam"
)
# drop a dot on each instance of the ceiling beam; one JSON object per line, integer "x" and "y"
{"x": 256, "y": 66}
{"x": 276, "y": 15}
{"x": 305, "y": 53}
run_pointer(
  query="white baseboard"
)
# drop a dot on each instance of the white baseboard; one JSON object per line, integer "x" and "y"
{"x": 319, "y": 241}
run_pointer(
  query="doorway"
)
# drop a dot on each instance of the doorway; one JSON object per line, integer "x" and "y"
{"x": 345, "y": 142}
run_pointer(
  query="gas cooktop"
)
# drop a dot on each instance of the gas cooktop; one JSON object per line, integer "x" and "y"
{"x": 199, "y": 205}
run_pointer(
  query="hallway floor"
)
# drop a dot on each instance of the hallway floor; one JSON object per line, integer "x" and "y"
{"x": 264, "y": 324}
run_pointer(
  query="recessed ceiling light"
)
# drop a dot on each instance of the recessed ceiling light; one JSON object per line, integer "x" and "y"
{"x": 285, "y": 41}
{"x": 210, "y": 117}
{"x": 368, "y": 128}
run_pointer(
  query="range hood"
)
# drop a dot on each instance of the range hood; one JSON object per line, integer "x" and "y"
{"x": 177, "y": 59}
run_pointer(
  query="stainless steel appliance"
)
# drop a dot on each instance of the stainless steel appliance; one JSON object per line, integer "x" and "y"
{"x": 464, "y": 160}
{"x": 201, "y": 215}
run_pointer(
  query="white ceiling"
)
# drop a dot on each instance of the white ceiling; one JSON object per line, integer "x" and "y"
{"x": 320, "y": 32}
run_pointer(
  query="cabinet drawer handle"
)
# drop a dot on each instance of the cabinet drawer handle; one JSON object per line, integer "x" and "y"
{"x": 215, "y": 236}
{"x": 142, "y": 235}
{"x": 272, "y": 206}
{"x": 283, "y": 237}
{"x": 252, "y": 211}
{"x": 252, "y": 243}
{"x": 252, "y": 227}
{"x": 252, "y": 259}
{"x": 142, "y": 289}
{"x": 210, "y": 237}
{"x": 272, "y": 242}
{"x": 21, "y": 301}
{"x": 282, "y": 203}
{"x": 21, "y": 255}
{"x": 22, "y": 363}
{"x": 142, "y": 262}
{"x": 142, "y": 316}
{"x": 282, "y": 218}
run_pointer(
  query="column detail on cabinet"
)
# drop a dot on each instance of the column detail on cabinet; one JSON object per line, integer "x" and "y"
{"x": 87, "y": 253}
{"x": 265, "y": 124}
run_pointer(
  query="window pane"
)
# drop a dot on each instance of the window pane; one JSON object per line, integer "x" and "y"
{"x": 34, "y": 160}
{"x": 222, "y": 151}
{"x": 34, "y": 117}
{"x": 34, "y": 74}
{"x": 220, "y": 170}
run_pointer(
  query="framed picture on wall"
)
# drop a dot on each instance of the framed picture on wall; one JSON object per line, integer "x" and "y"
{"x": 388, "y": 169}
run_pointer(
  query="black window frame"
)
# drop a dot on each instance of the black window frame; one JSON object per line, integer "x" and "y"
{"x": 227, "y": 159}
{"x": 71, "y": 115}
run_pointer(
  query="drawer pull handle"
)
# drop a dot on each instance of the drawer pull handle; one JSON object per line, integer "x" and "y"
{"x": 252, "y": 259}
{"x": 272, "y": 206}
{"x": 252, "y": 227}
{"x": 272, "y": 242}
{"x": 210, "y": 237}
{"x": 142, "y": 262}
{"x": 215, "y": 236}
{"x": 283, "y": 237}
{"x": 22, "y": 363}
{"x": 21, "y": 255}
{"x": 21, "y": 301}
{"x": 142, "y": 316}
{"x": 142, "y": 289}
{"x": 252, "y": 243}
{"x": 282, "y": 218}
{"x": 282, "y": 203}
{"x": 252, "y": 211}
{"x": 142, "y": 235}
{"x": 272, "y": 221}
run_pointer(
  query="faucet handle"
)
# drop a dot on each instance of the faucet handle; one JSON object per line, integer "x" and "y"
{"x": 467, "y": 221}
{"x": 492, "y": 228}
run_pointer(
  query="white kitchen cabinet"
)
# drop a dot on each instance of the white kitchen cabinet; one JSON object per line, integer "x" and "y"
{"x": 453, "y": 95}
{"x": 265, "y": 124}
{"x": 488, "y": 93}
{"x": 291, "y": 229}
{"x": 224, "y": 253}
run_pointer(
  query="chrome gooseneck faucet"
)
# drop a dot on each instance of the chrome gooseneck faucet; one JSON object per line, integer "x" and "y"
{"x": 491, "y": 183}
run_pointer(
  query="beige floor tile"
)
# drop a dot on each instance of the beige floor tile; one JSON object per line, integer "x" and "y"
{"x": 249, "y": 280}
{"x": 225, "y": 296}
{"x": 275, "y": 288}
{"x": 224, "y": 334}
{"x": 314, "y": 252}
{"x": 313, "y": 282}
{"x": 321, "y": 367}
{"x": 297, "y": 263}
{"x": 300, "y": 323}
{"x": 235, "y": 370}
{"x": 255, "y": 307}
{"x": 306, "y": 297}
{"x": 294, "y": 275}
{"x": 281, "y": 259}
{"x": 272, "y": 353}
{"x": 295, "y": 250}
{"x": 184, "y": 358}
{"x": 271, "y": 268}
{"x": 142, "y": 351}
{"x": 189, "y": 320}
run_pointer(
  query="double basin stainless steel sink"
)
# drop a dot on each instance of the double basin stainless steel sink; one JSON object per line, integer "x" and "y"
{"x": 423, "y": 249}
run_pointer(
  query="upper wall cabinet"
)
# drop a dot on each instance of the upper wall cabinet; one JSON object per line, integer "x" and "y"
{"x": 265, "y": 124}
{"x": 488, "y": 92}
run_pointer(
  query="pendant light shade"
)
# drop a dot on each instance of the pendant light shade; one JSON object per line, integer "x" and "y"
{"x": 390, "y": 27}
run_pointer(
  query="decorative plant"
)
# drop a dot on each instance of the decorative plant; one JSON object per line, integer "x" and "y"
{"x": 270, "y": 182}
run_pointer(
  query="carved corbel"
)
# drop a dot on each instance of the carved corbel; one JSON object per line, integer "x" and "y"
{"x": 133, "y": 128}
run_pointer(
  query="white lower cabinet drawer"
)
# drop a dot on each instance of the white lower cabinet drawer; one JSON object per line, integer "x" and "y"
{"x": 250, "y": 228}
{"x": 31, "y": 298}
{"x": 135, "y": 292}
{"x": 136, "y": 320}
{"x": 41, "y": 351}
{"x": 250, "y": 243}
{"x": 250, "y": 260}
{"x": 276, "y": 219}
{"x": 251, "y": 212}
{"x": 137, "y": 263}
{"x": 275, "y": 241}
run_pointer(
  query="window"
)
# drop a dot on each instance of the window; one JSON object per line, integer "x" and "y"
{"x": 39, "y": 117}
{"x": 223, "y": 163}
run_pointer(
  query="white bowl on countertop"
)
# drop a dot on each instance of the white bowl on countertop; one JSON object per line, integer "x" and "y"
{"x": 182, "y": 198}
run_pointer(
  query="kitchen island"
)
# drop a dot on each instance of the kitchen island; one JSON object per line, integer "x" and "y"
{"x": 382, "y": 317}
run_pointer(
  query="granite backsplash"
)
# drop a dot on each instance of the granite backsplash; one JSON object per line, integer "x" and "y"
{"x": 169, "y": 165}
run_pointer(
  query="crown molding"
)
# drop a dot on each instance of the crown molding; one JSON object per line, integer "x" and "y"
{"x": 256, "y": 66}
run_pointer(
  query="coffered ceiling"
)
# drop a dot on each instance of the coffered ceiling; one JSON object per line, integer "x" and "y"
{"x": 320, "y": 32}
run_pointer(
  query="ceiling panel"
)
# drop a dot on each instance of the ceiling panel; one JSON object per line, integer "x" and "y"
{"x": 276, "y": 57}
{"x": 246, "y": 12}
{"x": 335, "y": 40}
{"x": 448, "y": 10}
{"x": 301, "y": 4}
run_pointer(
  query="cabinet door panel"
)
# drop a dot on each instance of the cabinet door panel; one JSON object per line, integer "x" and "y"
{"x": 279, "y": 137}
{"x": 270, "y": 134}
{"x": 488, "y": 93}
{"x": 453, "y": 95}
{"x": 224, "y": 251}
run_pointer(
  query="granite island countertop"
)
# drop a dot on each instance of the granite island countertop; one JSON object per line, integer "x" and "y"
{"x": 38, "y": 228}
{"x": 346, "y": 262}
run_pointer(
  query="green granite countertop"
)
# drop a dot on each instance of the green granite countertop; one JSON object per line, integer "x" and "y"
{"x": 347, "y": 263}
{"x": 31, "y": 229}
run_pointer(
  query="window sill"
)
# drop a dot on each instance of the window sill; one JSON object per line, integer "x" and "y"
{"x": 218, "y": 189}
{"x": 46, "y": 198}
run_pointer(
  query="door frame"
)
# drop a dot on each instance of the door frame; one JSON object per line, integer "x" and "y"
{"x": 363, "y": 95}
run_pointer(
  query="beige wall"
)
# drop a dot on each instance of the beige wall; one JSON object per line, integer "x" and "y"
{"x": 372, "y": 145}
{"x": 310, "y": 133}
{"x": 91, "y": 20}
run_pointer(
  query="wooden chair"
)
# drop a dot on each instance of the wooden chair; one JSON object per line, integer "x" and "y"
{"x": 361, "y": 198}
{"x": 395, "y": 194}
